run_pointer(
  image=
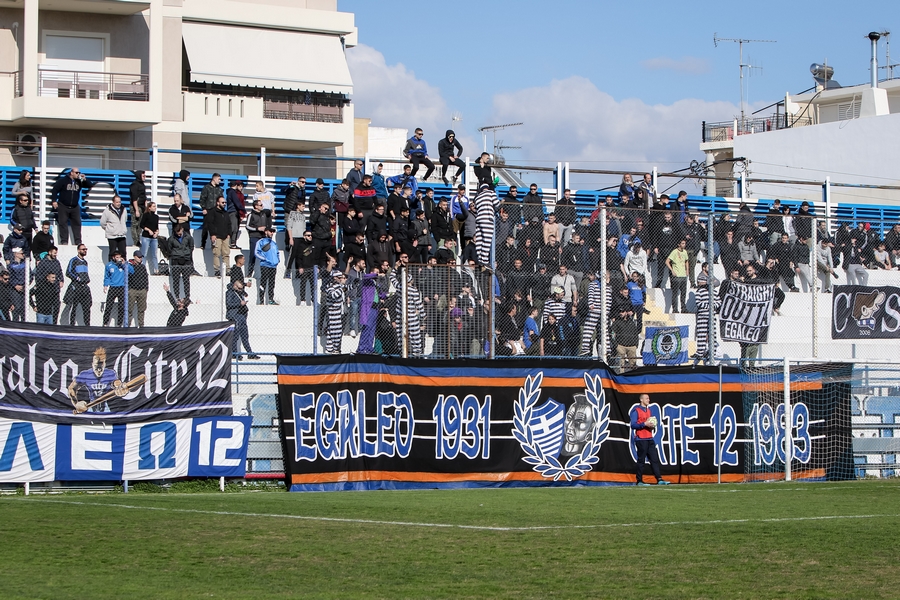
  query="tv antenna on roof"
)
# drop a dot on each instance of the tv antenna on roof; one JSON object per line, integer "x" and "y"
{"x": 456, "y": 116}
{"x": 740, "y": 42}
{"x": 493, "y": 129}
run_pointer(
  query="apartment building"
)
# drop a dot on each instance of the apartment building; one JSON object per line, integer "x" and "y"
{"x": 191, "y": 75}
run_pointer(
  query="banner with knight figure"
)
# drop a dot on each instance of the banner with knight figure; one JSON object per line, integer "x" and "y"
{"x": 372, "y": 422}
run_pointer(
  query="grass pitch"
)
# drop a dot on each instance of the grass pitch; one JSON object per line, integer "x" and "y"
{"x": 785, "y": 540}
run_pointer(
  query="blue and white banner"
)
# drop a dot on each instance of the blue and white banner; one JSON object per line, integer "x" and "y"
{"x": 665, "y": 345}
{"x": 109, "y": 376}
{"x": 199, "y": 447}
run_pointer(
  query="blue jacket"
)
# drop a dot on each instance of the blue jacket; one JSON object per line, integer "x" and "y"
{"x": 415, "y": 146}
{"x": 402, "y": 180}
{"x": 267, "y": 259}
{"x": 114, "y": 274}
{"x": 636, "y": 293}
{"x": 379, "y": 185}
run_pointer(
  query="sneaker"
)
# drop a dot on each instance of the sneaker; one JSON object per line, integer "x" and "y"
{"x": 453, "y": 179}
{"x": 793, "y": 289}
{"x": 662, "y": 482}
{"x": 253, "y": 356}
{"x": 274, "y": 302}
{"x": 445, "y": 180}
{"x": 233, "y": 247}
{"x": 642, "y": 484}
{"x": 287, "y": 275}
{"x": 217, "y": 274}
{"x": 353, "y": 333}
{"x": 240, "y": 358}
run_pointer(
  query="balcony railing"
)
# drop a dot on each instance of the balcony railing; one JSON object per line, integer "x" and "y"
{"x": 303, "y": 112}
{"x": 94, "y": 85}
{"x": 17, "y": 81}
{"x": 726, "y": 130}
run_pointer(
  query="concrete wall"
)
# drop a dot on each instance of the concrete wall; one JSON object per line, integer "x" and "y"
{"x": 856, "y": 151}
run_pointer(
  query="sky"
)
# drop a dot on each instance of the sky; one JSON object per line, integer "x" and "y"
{"x": 601, "y": 85}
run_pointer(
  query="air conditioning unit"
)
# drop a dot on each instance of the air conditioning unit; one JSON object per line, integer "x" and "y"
{"x": 28, "y": 142}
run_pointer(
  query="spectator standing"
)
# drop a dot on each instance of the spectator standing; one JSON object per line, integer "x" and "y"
{"x": 319, "y": 196}
{"x": 6, "y": 302}
{"x": 114, "y": 224}
{"x": 595, "y": 312}
{"x": 854, "y": 264}
{"x": 44, "y": 299}
{"x": 209, "y": 197}
{"x": 355, "y": 175}
{"x": 449, "y": 152}
{"x": 218, "y": 225}
{"x": 114, "y": 287}
{"x": 180, "y": 188}
{"x": 138, "y": 287}
{"x": 181, "y": 258}
{"x": 42, "y": 241}
{"x": 340, "y": 203}
{"x": 236, "y": 208}
{"x": 15, "y": 241}
{"x": 486, "y": 206}
{"x": 334, "y": 295}
{"x": 379, "y": 184}
{"x": 825, "y": 263}
{"x": 257, "y": 223}
{"x": 565, "y": 216}
{"x": 137, "y": 192}
{"x": 482, "y": 169}
{"x": 23, "y": 214}
{"x": 705, "y": 329}
{"x": 416, "y": 152}
{"x": 626, "y": 189}
{"x": 648, "y": 191}
{"x": 626, "y": 334}
{"x": 801, "y": 262}
{"x": 79, "y": 290}
{"x": 179, "y": 214}
{"x": 677, "y": 263}
{"x": 150, "y": 236}
{"x": 17, "y": 290}
{"x": 236, "y": 311}
{"x": 364, "y": 197}
{"x": 268, "y": 256}
{"x": 775, "y": 222}
{"x": 533, "y": 205}
{"x": 65, "y": 197}
{"x": 23, "y": 187}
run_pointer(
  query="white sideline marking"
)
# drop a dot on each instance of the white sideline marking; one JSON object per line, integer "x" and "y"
{"x": 475, "y": 527}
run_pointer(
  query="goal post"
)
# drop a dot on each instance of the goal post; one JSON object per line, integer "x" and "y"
{"x": 797, "y": 421}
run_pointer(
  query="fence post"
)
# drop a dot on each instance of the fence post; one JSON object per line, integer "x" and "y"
{"x": 711, "y": 289}
{"x": 126, "y": 320}
{"x": 154, "y": 168}
{"x": 404, "y": 308}
{"x": 42, "y": 182}
{"x": 26, "y": 308}
{"x": 718, "y": 412}
{"x": 315, "y": 299}
{"x": 493, "y": 333}
{"x": 223, "y": 289}
{"x": 654, "y": 178}
{"x": 604, "y": 287}
{"x": 813, "y": 288}
{"x": 262, "y": 164}
{"x": 826, "y": 199}
{"x": 788, "y": 441}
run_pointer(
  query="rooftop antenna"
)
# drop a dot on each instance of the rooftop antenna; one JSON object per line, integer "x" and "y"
{"x": 741, "y": 65}
{"x": 888, "y": 66}
{"x": 493, "y": 129}
{"x": 456, "y": 117}
{"x": 499, "y": 147}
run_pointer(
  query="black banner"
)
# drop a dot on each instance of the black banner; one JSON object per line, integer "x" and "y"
{"x": 746, "y": 312}
{"x": 371, "y": 422}
{"x": 862, "y": 312}
{"x": 88, "y": 375}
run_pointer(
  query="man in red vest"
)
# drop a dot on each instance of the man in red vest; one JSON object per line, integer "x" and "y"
{"x": 643, "y": 424}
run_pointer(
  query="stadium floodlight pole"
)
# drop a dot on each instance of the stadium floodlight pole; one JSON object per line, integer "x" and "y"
{"x": 711, "y": 289}
{"x": 315, "y": 298}
{"x": 788, "y": 438}
{"x": 604, "y": 286}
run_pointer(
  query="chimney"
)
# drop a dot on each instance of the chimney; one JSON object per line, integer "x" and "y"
{"x": 874, "y": 36}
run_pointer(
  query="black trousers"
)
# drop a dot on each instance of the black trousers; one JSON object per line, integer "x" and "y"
{"x": 646, "y": 449}
{"x": 266, "y": 287}
{"x": 115, "y": 295}
{"x": 306, "y": 278}
{"x": 416, "y": 159}
{"x": 181, "y": 280}
{"x": 64, "y": 216}
{"x": 116, "y": 244}
{"x": 81, "y": 295}
{"x": 456, "y": 162}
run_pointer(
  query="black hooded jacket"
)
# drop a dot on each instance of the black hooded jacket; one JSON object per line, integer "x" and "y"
{"x": 445, "y": 146}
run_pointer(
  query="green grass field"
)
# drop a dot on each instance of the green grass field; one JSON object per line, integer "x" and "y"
{"x": 785, "y": 540}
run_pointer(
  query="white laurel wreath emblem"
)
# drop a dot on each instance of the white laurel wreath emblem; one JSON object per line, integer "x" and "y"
{"x": 549, "y": 466}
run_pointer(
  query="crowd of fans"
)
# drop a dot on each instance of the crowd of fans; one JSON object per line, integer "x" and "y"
{"x": 398, "y": 265}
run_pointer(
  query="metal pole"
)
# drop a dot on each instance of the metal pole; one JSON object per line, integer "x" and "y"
{"x": 826, "y": 197}
{"x": 404, "y": 308}
{"x": 490, "y": 294}
{"x": 813, "y": 272}
{"x": 711, "y": 287}
{"x": 26, "y": 309}
{"x": 719, "y": 436}
{"x": 315, "y": 298}
{"x": 604, "y": 286}
{"x": 788, "y": 438}
{"x": 221, "y": 484}
{"x": 262, "y": 164}
{"x": 654, "y": 179}
{"x": 223, "y": 289}
{"x": 125, "y": 486}
{"x": 27, "y": 488}
{"x": 42, "y": 181}
{"x": 126, "y": 323}
{"x": 154, "y": 172}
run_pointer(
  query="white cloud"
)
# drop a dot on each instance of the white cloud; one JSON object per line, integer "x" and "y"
{"x": 687, "y": 64}
{"x": 392, "y": 96}
{"x": 572, "y": 120}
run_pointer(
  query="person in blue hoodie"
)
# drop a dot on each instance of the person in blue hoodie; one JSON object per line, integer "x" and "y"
{"x": 114, "y": 287}
{"x": 379, "y": 184}
{"x": 268, "y": 257}
{"x": 416, "y": 151}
